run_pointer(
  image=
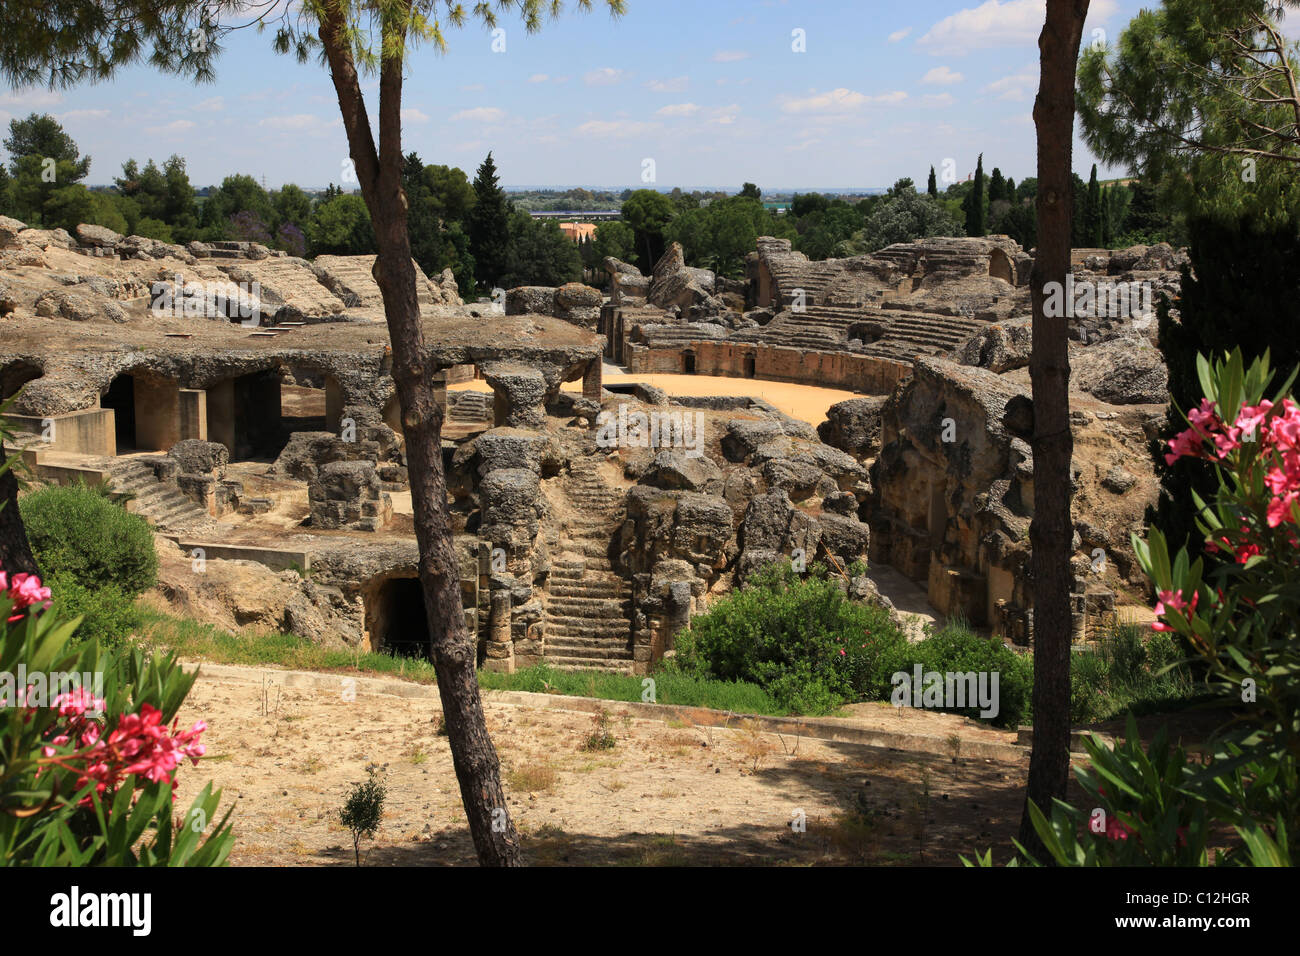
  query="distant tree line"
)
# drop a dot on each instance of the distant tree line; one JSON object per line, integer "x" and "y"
{"x": 472, "y": 229}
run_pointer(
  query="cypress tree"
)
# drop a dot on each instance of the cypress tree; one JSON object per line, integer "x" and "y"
{"x": 933, "y": 187}
{"x": 1092, "y": 211}
{"x": 976, "y": 216}
{"x": 489, "y": 226}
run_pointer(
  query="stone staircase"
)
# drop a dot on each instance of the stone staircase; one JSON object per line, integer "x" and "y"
{"x": 469, "y": 406}
{"x": 589, "y": 606}
{"x": 941, "y": 332}
{"x": 134, "y": 483}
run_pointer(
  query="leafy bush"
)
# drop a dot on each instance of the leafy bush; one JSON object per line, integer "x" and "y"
{"x": 364, "y": 808}
{"x": 108, "y": 614}
{"x": 87, "y": 780}
{"x": 1241, "y": 617}
{"x": 1129, "y": 672}
{"x": 796, "y": 636}
{"x": 77, "y": 532}
{"x": 957, "y": 649}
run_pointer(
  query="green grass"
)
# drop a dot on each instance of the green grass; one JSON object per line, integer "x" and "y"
{"x": 192, "y": 639}
{"x": 678, "y": 689}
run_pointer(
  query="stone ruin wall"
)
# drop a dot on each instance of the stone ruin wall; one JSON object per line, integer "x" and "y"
{"x": 951, "y": 517}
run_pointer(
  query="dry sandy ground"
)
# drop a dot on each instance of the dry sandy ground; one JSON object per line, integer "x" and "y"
{"x": 805, "y": 402}
{"x": 665, "y": 794}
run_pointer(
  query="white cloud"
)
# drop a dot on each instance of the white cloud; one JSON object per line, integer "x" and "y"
{"x": 414, "y": 116}
{"x": 725, "y": 115}
{"x": 178, "y": 126}
{"x": 730, "y": 56}
{"x": 678, "y": 109}
{"x": 942, "y": 76}
{"x": 481, "y": 114}
{"x": 213, "y": 104}
{"x": 997, "y": 23}
{"x": 617, "y": 128}
{"x": 899, "y": 34}
{"x": 538, "y": 78}
{"x": 296, "y": 121}
{"x": 1016, "y": 87}
{"x": 605, "y": 76}
{"x": 675, "y": 85}
{"x": 937, "y": 99}
{"x": 74, "y": 115}
{"x": 839, "y": 100}
{"x": 31, "y": 98}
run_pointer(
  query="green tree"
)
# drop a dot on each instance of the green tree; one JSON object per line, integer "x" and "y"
{"x": 236, "y": 194}
{"x": 902, "y": 216}
{"x": 1092, "y": 213}
{"x": 750, "y": 191}
{"x": 648, "y": 212}
{"x": 62, "y": 45}
{"x": 540, "y": 253}
{"x": 974, "y": 207}
{"x": 1202, "y": 96}
{"x": 997, "y": 186}
{"x": 43, "y": 159}
{"x": 613, "y": 239}
{"x": 342, "y": 227}
{"x": 292, "y": 205}
{"x": 932, "y": 187}
{"x": 488, "y": 225}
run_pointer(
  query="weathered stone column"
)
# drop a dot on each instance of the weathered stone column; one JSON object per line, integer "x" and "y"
{"x": 194, "y": 414}
{"x": 500, "y": 649}
{"x": 591, "y": 381}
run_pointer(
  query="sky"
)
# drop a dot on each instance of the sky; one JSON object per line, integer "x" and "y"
{"x": 789, "y": 94}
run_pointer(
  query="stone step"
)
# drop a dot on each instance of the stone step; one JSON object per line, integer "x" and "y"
{"x": 582, "y": 665}
{"x": 576, "y": 647}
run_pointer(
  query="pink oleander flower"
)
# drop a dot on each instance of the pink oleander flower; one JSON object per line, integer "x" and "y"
{"x": 25, "y": 591}
{"x": 1172, "y": 601}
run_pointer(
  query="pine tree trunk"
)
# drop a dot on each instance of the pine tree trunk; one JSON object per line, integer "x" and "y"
{"x": 454, "y": 653}
{"x": 1051, "y": 531}
{"x": 15, "y": 551}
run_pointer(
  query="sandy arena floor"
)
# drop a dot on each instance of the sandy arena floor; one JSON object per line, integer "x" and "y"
{"x": 805, "y": 402}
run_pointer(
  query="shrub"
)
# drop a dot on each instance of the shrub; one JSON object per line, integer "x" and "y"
{"x": 796, "y": 636}
{"x": 1241, "y": 617}
{"x": 87, "y": 780}
{"x": 108, "y": 614}
{"x": 364, "y": 808}
{"x": 77, "y": 532}
{"x": 957, "y": 649}
{"x": 1130, "y": 671}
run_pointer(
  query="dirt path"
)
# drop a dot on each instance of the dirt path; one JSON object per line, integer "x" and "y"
{"x": 665, "y": 793}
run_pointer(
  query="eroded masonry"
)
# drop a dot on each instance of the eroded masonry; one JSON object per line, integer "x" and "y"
{"x": 241, "y": 401}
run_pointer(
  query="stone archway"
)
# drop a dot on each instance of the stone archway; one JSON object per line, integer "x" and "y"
{"x": 396, "y": 620}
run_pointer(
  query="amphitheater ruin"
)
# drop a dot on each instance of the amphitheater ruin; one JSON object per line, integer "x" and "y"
{"x": 259, "y": 434}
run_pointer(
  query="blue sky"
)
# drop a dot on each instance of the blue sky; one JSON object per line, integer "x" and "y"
{"x": 712, "y": 91}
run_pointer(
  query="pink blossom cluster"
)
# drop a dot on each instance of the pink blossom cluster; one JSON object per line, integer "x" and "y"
{"x": 24, "y": 590}
{"x": 1275, "y": 429}
{"x": 140, "y": 744}
{"x": 1173, "y": 600}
